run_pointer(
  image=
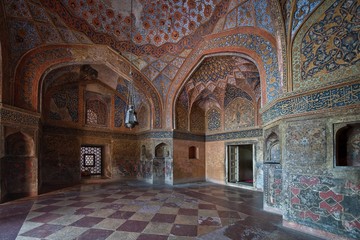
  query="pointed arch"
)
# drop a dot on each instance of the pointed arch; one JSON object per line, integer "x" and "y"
{"x": 38, "y": 62}
{"x": 256, "y": 44}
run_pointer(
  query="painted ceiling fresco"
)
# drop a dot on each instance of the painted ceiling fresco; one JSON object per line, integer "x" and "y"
{"x": 157, "y": 36}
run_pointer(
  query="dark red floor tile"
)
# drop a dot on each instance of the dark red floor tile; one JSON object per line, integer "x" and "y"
{"x": 95, "y": 234}
{"x": 46, "y": 217}
{"x": 47, "y": 209}
{"x": 130, "y": 197}
{"x": 207, "y": 206}
{"x": 103, "y": 195}
{"x": 48, "y": 201}
{"x": 107, "y": 200}
{"x": 152, "y": 237}
{"x": 87, "y": 222}
{"x": 188, "y": 211}
{"x": 11, "y": 225}
{"x": 166, "y": 218}
{"x": 79, "y": 204}
{"x": 84, "y": 211}
{"x": 184, "y": 230}
{"x": 42, "y": 231}
{"x": 149, "y": 194}
{"x": 121, "y": 215}
{"x": 133, "y": 226}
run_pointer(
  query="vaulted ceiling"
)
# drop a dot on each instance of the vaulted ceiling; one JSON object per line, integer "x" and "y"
{"x": 164, "y": 40}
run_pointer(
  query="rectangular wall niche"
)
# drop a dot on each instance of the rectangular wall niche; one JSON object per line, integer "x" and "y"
{"x": 90, "y": 160}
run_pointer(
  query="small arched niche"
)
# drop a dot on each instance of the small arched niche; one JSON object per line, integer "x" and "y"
{"x": 272, "y": 149}
{"x": 193, "y": 152}
{"x": 19, "y": 144}
{"x": 162, "y": 150}
{"x": 19, "y": 168}
{"x": 348, "y": 145}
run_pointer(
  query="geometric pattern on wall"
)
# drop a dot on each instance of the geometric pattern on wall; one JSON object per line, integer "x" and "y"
{"x": 330, "y": 45}
{"x": 213, "y": 119}
{"x": 305, "y": 143}
{"x": 197, "y": 119}
{"x": 96, "y": 112}
{"x": 273, "y": 185}
{"x": 181, "y": 117}
{"x": 240, "y": 113}
{"x": 324, "y": 202}
{"x": 90, "y": 159}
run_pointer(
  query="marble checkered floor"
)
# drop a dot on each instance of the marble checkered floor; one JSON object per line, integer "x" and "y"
{"x": 135, "y": 210}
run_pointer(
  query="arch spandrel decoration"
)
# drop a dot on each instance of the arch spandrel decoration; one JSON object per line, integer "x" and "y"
{"x": 325, "y": 46}
{"x": 35, "y": 63}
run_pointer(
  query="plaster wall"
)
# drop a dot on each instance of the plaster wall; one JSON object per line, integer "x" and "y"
{"x": 215, "y": 162}
{"x": 185, "y": 169}
{"x": 216, "y": 170}
{"x": 60, "y": 161}
{"x": 125, "y": 158}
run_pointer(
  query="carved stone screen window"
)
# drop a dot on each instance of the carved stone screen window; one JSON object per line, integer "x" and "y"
{"x": 91, "y": 160}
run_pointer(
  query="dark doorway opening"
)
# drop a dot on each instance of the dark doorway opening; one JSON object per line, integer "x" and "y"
{"x": 240, "y": 164}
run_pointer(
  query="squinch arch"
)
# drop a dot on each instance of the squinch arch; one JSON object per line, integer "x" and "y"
{"x": 253, "y": 42}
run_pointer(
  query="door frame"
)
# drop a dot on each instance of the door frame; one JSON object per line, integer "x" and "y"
{"x": 254, "y": 157}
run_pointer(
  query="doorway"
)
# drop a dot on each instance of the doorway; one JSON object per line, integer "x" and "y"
{"x": 240, "y": 164}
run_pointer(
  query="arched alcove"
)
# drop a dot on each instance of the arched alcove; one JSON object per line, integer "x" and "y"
{"x": 272, "y": 151}
{"x": 273, "y": 183}
{"x": 19, "y": 167}
{"x": 348, "y": 146}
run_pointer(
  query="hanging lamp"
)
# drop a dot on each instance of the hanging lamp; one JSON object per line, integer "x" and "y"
{"x": 130, "y": 115}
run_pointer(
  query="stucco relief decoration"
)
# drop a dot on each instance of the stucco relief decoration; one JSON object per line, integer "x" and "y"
{"x": 197, "y": 119}
{"x": 305, "y": 142}
{"x": 240, "y": 113}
